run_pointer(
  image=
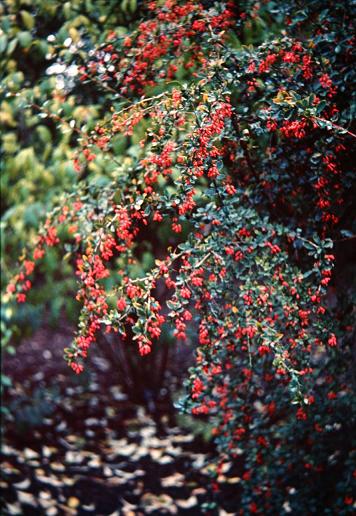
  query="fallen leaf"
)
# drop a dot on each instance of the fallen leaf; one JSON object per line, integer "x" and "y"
{"x": 153, "y": 503}
{"x": 107, "y": 472}
{"x": 233, "y": 480}
{"x": 57, "y": 466}
{"x": 175, "y": 480}
{"x": 52, "y": 481}
{"x": 187, "y": 504}
{"x": 156, "y": 454}
{"x": 90, "y": 507}
{"x": 25, "y": 484}
{"x": 30, "y": 454}
{"x": 174, "y": 450}
{"x": 7, "y": 450}
{"x": 166, "y": 459}
{"x": 14, "y": 508}
{"x": 45, "y": 495}
{"x": 92, "y": 421}
{"x": 47, "y": 451}
{"x": 68, "y": 481}
{"x": 183, "y": 438}
{"x": 73, "y": 457}
{"x": 95, "y": 462}
{"x": 73, "y": 502}
{"x": 199, "y": 491}
{"x": 127, "y": 450}
{"x": 26, "y": 498}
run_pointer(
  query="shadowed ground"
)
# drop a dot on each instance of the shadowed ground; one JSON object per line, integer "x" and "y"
{"x": 77, "y": 445}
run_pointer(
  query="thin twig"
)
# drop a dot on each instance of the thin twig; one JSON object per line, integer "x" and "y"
{"x": 335, "y": 125}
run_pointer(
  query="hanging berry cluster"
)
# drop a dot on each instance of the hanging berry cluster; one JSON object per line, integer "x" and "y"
{"x": 242, "y": 154}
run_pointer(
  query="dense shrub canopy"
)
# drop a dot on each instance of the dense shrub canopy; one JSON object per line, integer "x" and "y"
{"x": 226, "y": 127}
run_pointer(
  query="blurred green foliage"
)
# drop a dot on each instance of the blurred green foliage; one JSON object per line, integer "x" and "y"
{"x": 42, "y": 110}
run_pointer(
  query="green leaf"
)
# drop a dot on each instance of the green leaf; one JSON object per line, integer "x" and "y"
{"x": 3, "y": 43}
{"x": 27, "y": 20}
{"x": 25, "y": 39}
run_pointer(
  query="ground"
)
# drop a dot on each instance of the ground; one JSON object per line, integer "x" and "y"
{"x": 78, "y": 445}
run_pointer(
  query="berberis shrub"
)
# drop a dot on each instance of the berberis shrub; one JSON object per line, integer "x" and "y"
{"x": 240, "y": 115}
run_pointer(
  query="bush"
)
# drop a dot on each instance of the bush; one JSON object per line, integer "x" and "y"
{"x": 41, "y": 106}
{"x": 238, "y": 123}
